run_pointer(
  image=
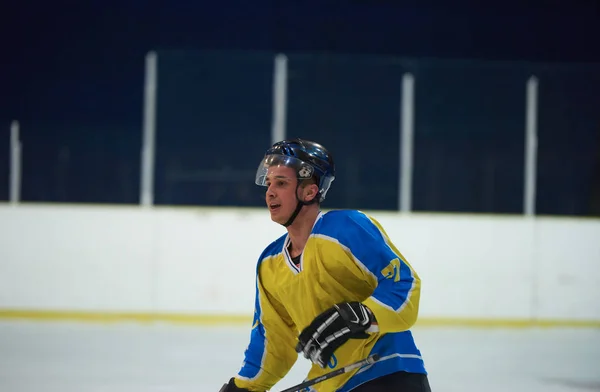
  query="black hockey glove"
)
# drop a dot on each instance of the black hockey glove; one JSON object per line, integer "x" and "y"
{"x": 332, "y": 328}
{"x": 231, "y": 387}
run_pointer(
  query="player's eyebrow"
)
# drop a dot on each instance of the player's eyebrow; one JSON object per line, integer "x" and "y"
{"x": 276, "y": 177}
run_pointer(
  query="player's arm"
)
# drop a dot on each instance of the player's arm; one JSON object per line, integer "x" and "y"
{"x": 270, "y": 353}
{"x": 395, "y": 300}
{"x": 392, "y": 307}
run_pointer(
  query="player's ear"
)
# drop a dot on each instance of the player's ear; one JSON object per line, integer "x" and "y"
{"x": 311, "y": 191}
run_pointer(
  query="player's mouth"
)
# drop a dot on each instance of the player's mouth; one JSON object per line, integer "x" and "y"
{"x": 274, "y": 207}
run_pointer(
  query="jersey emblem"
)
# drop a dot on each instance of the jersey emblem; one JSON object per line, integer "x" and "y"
{"x": 392, "y": 271}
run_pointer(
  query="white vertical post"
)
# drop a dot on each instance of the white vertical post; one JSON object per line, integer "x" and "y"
{"x": 407, "y": 131}
{"x": 279, "y": 98}
{"x": 531, "y": 110}
{"x": 149, "y": 131}
{"x": 15, "y": 163}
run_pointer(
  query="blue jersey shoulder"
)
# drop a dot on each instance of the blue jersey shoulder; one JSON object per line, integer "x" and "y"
{"x": 340, "y": 223}
{"x": 357, "y": 232}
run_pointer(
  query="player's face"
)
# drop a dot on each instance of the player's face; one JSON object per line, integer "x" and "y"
{"x": 281, "y": 193}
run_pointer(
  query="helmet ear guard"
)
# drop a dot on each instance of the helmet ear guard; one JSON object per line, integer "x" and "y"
{"x": 306, "y": 171}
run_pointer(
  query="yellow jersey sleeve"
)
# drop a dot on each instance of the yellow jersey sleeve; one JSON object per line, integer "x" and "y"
{"x": 271, "y": 352}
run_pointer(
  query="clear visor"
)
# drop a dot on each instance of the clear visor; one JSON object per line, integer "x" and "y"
{"x": 301, "y": 169}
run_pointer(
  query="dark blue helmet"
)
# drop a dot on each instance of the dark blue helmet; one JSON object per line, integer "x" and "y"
{"x": 307, "y": 158}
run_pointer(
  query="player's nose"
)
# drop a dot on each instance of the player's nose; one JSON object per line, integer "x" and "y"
{"x": 270, "y": 192}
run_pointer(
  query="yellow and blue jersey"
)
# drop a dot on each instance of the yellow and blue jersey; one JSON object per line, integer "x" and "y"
{"x": 348, "y": 257}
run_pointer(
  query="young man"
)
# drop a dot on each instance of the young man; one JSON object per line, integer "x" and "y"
{"x": 333, "y": 288}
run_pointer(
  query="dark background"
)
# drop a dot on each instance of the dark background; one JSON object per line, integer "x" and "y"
{"x": 72, "y": 74}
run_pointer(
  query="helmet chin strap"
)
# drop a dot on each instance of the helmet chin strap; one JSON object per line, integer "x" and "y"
{"x": 299, "y": 206}
{"x": 294, "y": 214}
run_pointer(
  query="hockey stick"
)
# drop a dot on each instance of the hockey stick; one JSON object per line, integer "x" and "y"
{"x": 368, "y": 361}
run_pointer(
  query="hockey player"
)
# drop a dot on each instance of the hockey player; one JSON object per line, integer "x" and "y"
{"x": 333, "y": 288}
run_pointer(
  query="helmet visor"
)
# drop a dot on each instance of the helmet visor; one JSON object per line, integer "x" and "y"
{"x": 302, "y": 170}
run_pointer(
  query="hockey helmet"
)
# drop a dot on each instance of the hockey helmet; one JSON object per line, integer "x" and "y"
{"x": 308, "y": 159}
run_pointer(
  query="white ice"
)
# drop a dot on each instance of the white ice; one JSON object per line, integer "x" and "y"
{"x": 74, "y": 357}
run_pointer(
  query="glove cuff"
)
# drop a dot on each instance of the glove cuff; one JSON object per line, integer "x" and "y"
{"x": 231, "y": 387}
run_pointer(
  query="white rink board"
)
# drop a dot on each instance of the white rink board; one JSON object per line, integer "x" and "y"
{"x": 202, "y": 261}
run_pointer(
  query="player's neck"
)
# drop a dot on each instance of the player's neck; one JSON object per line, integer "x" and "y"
{"x": 299, "y": 231}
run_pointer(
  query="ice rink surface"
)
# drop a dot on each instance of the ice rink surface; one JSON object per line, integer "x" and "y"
{"x": 77, "y": 357}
